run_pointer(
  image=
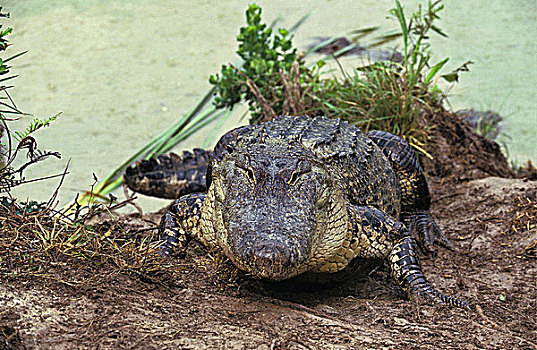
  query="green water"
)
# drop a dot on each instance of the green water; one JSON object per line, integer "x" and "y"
{"x": 122, "y": 71}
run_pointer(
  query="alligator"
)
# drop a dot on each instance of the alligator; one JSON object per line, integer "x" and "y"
{"x": 300, "y": 195}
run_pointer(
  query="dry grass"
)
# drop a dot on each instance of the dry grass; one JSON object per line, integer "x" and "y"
{"x": 34, "y": 242}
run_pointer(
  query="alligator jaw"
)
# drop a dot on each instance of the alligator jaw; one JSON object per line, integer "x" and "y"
{"x": 272, "y": 260}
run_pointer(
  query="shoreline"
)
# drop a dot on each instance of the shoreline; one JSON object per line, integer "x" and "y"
{"x": 120, "y": 74}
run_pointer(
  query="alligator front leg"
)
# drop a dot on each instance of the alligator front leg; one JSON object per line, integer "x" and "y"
{"x": 377, "y": 235}
{"x": 406, "y": 270}
{"x": 179, "y": 224}
{"x": 415, "y": 196}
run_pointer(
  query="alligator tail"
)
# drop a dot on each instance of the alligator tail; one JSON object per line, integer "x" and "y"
{"x": 170, "y": 175}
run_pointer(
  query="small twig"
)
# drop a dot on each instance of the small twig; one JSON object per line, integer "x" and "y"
{"x": 9, "y": 144}
{"x": 133, "y": 203}
{"x": 41, "y": 178}
{"x": 345, "y": 75}
{"x": 296, "y": 86}
{"x": 288, "y": 103}
{"x": 34, "y": 159}
{"x": 255, "y": 90}
{"x": 315, "y": 314}
{"x": 55, "y": 194}
{"x": 292, "y": 90}
{"x": 493, "y": 324}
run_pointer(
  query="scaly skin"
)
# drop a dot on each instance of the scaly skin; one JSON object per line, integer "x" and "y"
{"x": 301, "y": 194}
{"x": 415, "y": 197}
{"x": 170, "y": 175}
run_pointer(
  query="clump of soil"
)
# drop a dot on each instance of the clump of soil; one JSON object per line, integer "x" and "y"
{"x": 461, "y": 154}
{"x": 199, "y": 301}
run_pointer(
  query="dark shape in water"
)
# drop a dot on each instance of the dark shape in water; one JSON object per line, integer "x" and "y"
{"x": 340, "y": 43}
{"x": 485, "y": 123}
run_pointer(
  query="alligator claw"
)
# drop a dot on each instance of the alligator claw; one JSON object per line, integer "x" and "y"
{"x": 426, "y": 232}
{"x": 406, "y": 270}
{"x": 432, "y": 296}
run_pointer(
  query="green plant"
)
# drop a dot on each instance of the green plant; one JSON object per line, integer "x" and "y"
{"x": 267, "y": 56}
{"x": 384, "y": 95}
{"x": 394, "y": 96}
{"x": 35, "y": 125}
{"x": 374, "y": 97}
{"x": 10, "y": 112}
{"x": 415, "y": 33}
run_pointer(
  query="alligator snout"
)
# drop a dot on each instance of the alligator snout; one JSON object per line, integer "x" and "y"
{"x": 269, "y": 238}
{"x": 270, "y": 259}
{"x": 268, "y": 254}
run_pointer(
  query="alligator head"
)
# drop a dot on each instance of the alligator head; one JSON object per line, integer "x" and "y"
{"x": 274, "y": 206}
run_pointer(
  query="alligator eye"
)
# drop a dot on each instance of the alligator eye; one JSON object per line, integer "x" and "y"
{"x": 250, "y": 173}
{"x": 293, "y": 179}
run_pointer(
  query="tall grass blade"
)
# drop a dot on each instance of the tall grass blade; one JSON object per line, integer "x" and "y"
{"x": 435, "y": 70}
{"x": 320, "y": 45}
{"x": 343, "y": 50}
{"x": 299, "y": 23}
{"x": 212, "y": 136}
{"x": 402, "y": 21}
{"x": 15, "y": 56}
{"x": 360, "y": 33}
{"x": 381, "y": 40}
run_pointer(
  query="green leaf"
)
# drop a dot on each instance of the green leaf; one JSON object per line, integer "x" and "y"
{"x": 15, "y": 56}
{"x": 454, "y": 76}
{"x": 435, "y": 70}
{"x": 35, "y": 125}
{"x": 364, "y": 31}
{"x": 283, "y": 32}
{"x": 402, "y": 21}
{"x": 438, "y": 31}
{"x": 451, "y": 77}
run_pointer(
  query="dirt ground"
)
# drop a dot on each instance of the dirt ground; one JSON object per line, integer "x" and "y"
{"x": 202, "y": 303}
{"x": 493, "y": 267}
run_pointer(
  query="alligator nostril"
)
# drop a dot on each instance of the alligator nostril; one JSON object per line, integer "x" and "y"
{"x": 271, "y": 258}
{"x": 268, "y": 253}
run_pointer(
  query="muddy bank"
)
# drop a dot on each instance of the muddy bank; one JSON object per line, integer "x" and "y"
{"x": 200, "y": 304}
